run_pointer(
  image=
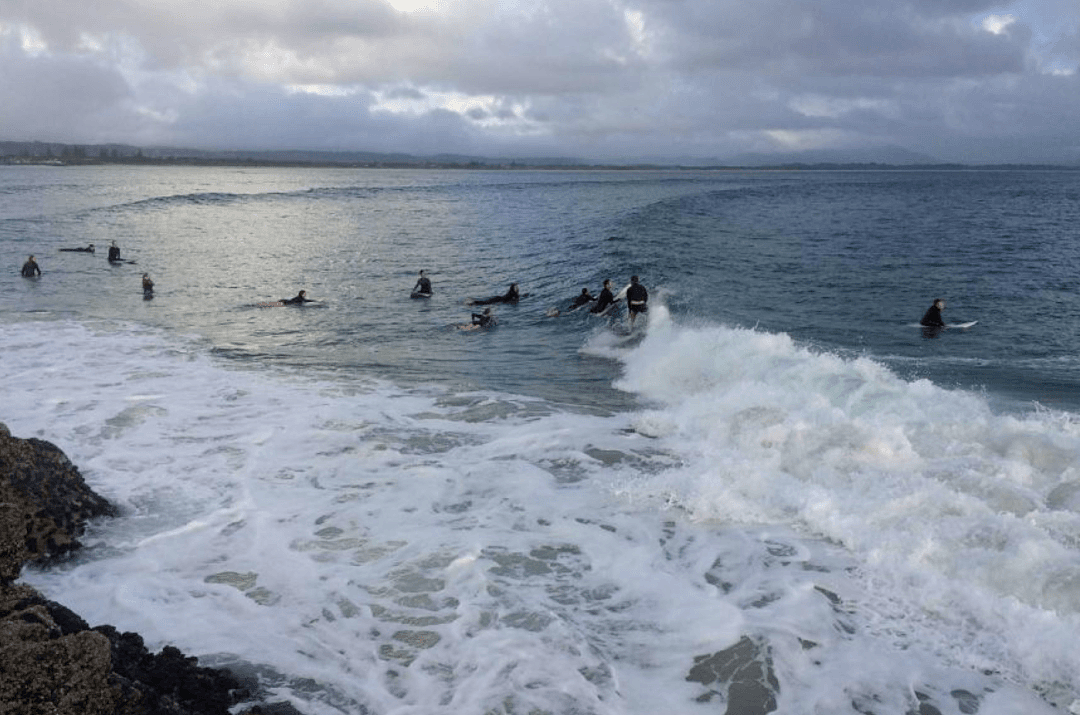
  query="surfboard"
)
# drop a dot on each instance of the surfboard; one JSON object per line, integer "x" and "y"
{"x": 963, "y": 325}
{"x": 418, "y": 294}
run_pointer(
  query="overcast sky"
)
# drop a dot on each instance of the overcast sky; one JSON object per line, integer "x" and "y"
{"x": 958, "y": 80}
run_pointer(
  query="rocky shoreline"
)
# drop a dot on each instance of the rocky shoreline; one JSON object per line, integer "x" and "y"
{"x": 51, "y": 661}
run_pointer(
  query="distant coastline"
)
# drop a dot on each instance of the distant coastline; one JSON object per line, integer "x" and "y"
{"x": 36, "y": 153}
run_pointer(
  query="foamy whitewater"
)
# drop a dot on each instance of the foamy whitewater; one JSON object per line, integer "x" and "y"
{"x": 367, "y": 541}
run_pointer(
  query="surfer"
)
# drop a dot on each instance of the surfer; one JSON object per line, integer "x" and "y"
{"x": 485, "y": 319}
{"x": 605, "y": 299}
{"x": 423, "y": 285}
{"x": 147, "y": 285}
{"x": 88, "y": 249}
{"x": 300, "y": 299}
{"x": 511, "y": 296}
{"x": 114, "y": 253}
{"x": 932, "y": 318}
{"x": 636, "y": 299}
{"x": 582, "y": 299}
{"x": 31, "y": 268}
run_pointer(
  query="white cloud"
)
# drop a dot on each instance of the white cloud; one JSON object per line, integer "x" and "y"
{"x": 601, "y": 78}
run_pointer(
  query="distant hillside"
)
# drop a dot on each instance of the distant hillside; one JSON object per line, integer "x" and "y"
{"x": 890, "y": 155}
{"x": 97, "y": 153}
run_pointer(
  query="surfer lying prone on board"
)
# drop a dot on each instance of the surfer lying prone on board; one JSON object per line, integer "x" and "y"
{"x": 511, "y": 296}
{"x": 300, "y": 299}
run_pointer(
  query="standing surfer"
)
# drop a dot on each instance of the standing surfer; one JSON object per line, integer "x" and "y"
{"x": 637, "y": 299}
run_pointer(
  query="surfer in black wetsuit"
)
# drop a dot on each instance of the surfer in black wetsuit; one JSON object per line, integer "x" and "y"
{"x": 605, "y": 299}
{"x": 932, "y": 318}
{"x": 582, "y": 299}
{"x": 485, "y": 319}
{"x": 300, "y": 299}
{"x": 511, "y": 296}
{"x": 88, "y": 249}
{"x": 31, "y": 269}
{"x": 114, "y": 253}
{"x": 147, "y": 285}
{"x": 423, "y": 285}
{"x": 636, "y": 299}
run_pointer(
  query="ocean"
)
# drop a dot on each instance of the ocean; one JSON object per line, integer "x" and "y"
{"x": 776, "y": 493}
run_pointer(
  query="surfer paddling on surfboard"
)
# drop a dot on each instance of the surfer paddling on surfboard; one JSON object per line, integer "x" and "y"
{"x": 300, "y": 299}
{"x": 511, "y": 296}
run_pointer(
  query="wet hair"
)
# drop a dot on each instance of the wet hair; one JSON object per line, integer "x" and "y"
{"x": 633, "y": 279}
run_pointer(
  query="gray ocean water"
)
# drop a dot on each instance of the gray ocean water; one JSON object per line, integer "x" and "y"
{"x": 777, "y": 494}
{"x": 843, "y": 261}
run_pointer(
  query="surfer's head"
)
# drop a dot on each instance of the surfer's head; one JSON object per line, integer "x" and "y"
{"x": 303, "y": 293}
{"x": 633, "y": 279}
{"x": 939, "y": 303}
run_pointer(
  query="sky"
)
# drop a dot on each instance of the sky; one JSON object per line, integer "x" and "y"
{"x": 604, "y": 80}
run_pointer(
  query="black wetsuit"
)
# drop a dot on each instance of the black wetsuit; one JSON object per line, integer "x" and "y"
{"x": 88, "y": 249}
{"x": 484, "y": 321}
{"x": 422, "y": 286}
{"x": 511, "y": 296}
{"x": 932, "y": 319}
{"x": 581, "y": 300}
{"x": 147, "y": 286}
{"x": 606, "y": 298}
{"x": 636, "y": 298}
{"x": 31, "y": 269}
{"x": 114, "y": 253}
{"x": 297, "y": 300}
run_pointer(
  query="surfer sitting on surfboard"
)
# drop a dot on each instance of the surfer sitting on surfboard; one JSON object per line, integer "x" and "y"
{"x": 147, "y": 285}
{"x": 605, "y": 299}
{"x": 300, "y": 299}
{"x": 114, "y": 253}
{"x": 423, "y": 285}
{"x": 932, "y": 318}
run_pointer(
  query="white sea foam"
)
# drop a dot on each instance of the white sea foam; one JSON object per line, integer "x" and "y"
{"x": 424, "y": 551}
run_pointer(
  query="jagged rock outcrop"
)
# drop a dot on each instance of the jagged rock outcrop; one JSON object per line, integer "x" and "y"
{"x": 51, "y": 661}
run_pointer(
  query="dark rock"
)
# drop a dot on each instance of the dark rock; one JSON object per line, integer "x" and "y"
{"x": 44, "y": 503}
{"x": 51, "y": 663}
